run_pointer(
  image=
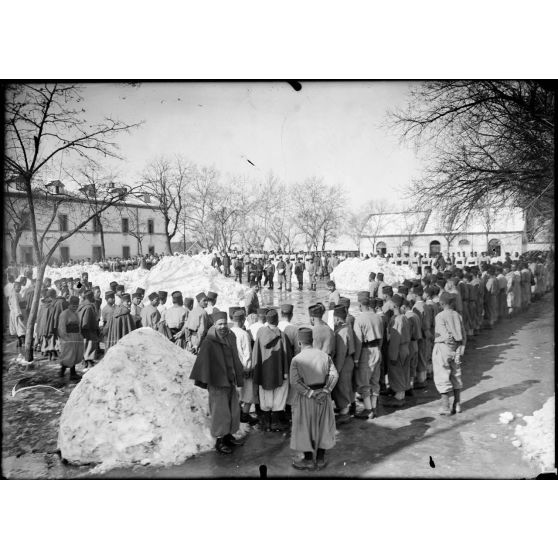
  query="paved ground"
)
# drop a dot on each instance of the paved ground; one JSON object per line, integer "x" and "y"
{"x": 510, "y": 368}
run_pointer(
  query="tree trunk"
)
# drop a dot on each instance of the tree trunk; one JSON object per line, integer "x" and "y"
{"x": 169, "y": 247}
{"x": 103, "y": 255}
{"x": 34, "y": 310}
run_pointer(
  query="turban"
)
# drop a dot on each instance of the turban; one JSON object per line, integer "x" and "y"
{"x": 287, "y": 308}
{"x": 125, "y": 296}
{"x": 201, "y": 296}
{"x": 363, "y": 297}
{"x": 397, "y": 300}
{"x": 109, "y": 294}
{"x": 153, "y": 296}
{"x": 305, "y": 335}
{"x": 219, "y": 316}
{"x": 211, "y": 295}
{"x": 316, "y": 311}
{"x": 340, "y": 312}
{"x": 272, "y": 317}
{"x": 74, "y": 300}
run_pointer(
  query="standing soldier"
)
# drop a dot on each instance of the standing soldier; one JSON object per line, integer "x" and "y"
{"x": 369, "y": 332}
{"x": 251, "y": 301}
{"x": 219, "y": 370}
{"x": 269, "y": 273}
{"x": 71, "y": 341}
{"x": 399, "y": 338}
{"x": 149, "y": 314}
{"x": 198, "y": 323}
{"x": 525, "y": 285}
{"x": 17, "y": 325}
{"x": 121, "y": 322}
{"x": 324, "y": 338}
{"x": 288, "y": 273}
{"x": 415, "y": 327}
{"x": 238, "y": 265}
{"x": 89, "y": 326}
{"x": 311, "y": 269}
{"x": 343, "y": 392}
{"x": 299, "y": 272}
{"x": 449, "y": 345}
{"x": 313, "y": 377}
{"x": 281, "y": 270}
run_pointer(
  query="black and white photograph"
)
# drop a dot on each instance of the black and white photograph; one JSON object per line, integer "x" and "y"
{"x": 281, "y": 279}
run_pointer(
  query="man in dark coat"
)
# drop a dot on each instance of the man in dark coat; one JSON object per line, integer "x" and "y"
{"x": 88, "y": 318}
{"x": 271, "y": 357}
{"x": 299, "y": 272}
{"x": 219, "y": 370}
{"x": 121, "y": 322}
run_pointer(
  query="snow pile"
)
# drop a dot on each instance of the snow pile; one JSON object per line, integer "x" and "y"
{"x": 538, "y": 437}
{"x": 352, "y": 274}
{"x": 138, "y": 406}
{"x": 191, "y": 275}
{"x": 506, "y": 417}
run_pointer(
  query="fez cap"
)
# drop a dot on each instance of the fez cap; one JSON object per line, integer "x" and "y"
{"x": 305, "y": 335}
{"x": 238, "y": 314}
{"x": 272, "y": 317}
{"x": 340, "y": 312}
{"x": 126, "y": 296}
{"x": 316, "y": 310}
{"x": 120, "y": 288}
{"x": 51, "y": 292}
{"x": 345, "y": 301}
{"x": 363, "y": 297}
{"x": 287, "y": 308}
{"x": 372, "y": 274}
{"x": 73, "y": 300}
{"x": 233, "y": 309}
{"x": 177, "y": 297}
{"x": 109, "y": 294}
{"x": 378, "y": 302}
{"x": 219, "y": 316}
{"x": 201, "y": 296}
{"x": 211, "y": 295}
{"x": 140, "y": 291}
{"x": 418, "y": 290}
{"x": 445, "y": 298}
{"x": 407, "y": 283}
{"x": 330, "y": 283}
{"x": 397, "y": 300}
{"x": 174, "y": 293}
{"x": 153, "y": 296}
{"x": 112, "y": 284}
{"x": 403, "y": 290}
{"x": 163, "y": 293}
{"x": 431, "y": 291}
{"x": 387, "y": 289}
{"x": 137, "y": 293}
{"x": 188, "y": 301}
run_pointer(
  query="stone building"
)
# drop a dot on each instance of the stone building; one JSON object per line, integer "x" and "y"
{"x": 131, "y": 227}
{"x": 426, "y": 232}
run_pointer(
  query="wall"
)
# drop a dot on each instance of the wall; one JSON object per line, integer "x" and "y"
{"x": 509, "y": 241}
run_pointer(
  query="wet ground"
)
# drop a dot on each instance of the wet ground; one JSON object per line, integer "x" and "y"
{"x": 510, "y": 368}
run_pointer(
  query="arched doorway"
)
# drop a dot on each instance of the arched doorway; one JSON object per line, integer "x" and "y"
{"x": 435, "y": 248}
{"x": 381, "y": 248}
{"x": 494, "y": 248}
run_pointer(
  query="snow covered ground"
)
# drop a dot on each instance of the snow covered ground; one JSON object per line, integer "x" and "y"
{"x": 352, "y": 274}
{"x": 537, "y": 437}
{"x": 137, "y": 406}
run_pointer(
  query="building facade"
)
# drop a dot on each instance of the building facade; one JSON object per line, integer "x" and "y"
{"x": 425, "y": 232}
{"x": 129, "y": 228}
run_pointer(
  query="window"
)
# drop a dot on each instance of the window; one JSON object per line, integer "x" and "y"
{"x": 150, "y": 226}
{"x": 96, "y": 224}
{"x": 63, "y": 223}
{"x": 64, "y": 253}
{"x": 463, "y": 243}
{"x": 26, "y": 221}
{"x": 125, "y": 225}
{"x": 381, "y": 248}
{"x": 125, "y": 251}
{"x": 151, "y": 249}
{"x": 97, "y": 253}
{"x": 27, "y": 255}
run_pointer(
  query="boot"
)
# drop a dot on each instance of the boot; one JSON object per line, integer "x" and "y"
{"x": 320, "y": 459}
{"x": 62, "y": 371}
{"x": 444, "y": 406}
{"x": 231, "y": 441}
{"x": 306, "y": 463}
{"x": 247, "y": 418}
{"x": 276, "y": 425}
{"x": 352, "y": 408}
{"x": 457, "y": 401}
{"x": 374, "y": 401}
{"x": 221, "y": 447}
{"x": 266, "y": 421}
{"x": 74, "y": 375}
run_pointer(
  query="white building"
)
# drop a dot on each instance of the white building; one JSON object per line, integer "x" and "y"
{"x": 425, "y": 232}
{"x": 133, "y": 226}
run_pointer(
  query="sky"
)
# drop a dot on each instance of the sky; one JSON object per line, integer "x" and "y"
{"x": 333, "y": 130}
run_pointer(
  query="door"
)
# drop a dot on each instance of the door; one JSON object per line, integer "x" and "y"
{"x": 97, "y": 253}
{"x": 435, "y": 248}
{"x": 64, "y": 253}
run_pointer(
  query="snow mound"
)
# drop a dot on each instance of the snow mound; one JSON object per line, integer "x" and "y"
{"x": 538, "y": 437}
{"x": 352, "y": 274}
{"x": 506, "y": 417}
{"x": 187, "y": 274}
{"x": 137, "y": 406}
{"x": 191, "y": 275}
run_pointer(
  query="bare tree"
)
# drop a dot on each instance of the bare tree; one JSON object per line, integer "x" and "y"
{"x": 485, "y": 139}
{"x": 380, "y": 217}
{"x": 448, "y": 224}
{"x": 167, "y": 183}
{"x": 42, "y": 122}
